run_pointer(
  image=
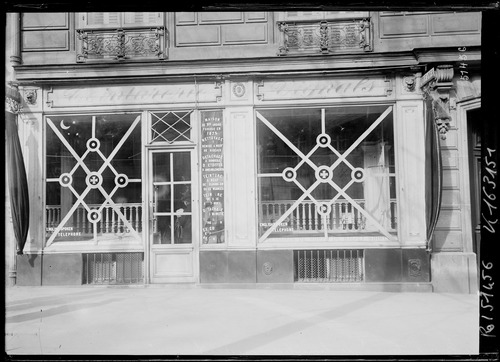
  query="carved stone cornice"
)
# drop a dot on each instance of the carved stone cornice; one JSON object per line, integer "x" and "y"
{"x": 325, "y": 37}
{"x": 436, "y": 85}
{"x": 120, "y": 44}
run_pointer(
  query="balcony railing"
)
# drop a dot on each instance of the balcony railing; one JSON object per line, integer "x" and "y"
{"x": 110, "y": 222}
{"x": 305, "y": 218}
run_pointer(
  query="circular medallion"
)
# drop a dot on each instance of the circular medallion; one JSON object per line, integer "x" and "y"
{"x": 289, "y": 174}
{"x": 65, "y": 179}
{"x": 323, "y": 140}
{"x": 121, "y": 180}
{"x": 323, "y": 209}
{"x": 358, "y": 174}
{"x": 323, "y": 174}
{"x": 93, "y": 144}
{"x": 93, "y": 180}
{"x": 267, "y": 268}
{"x": 239, "y": 90}
{"x": 94, "y": 216}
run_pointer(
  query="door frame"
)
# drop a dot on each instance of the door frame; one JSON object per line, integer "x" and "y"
{"x": 462, "y": 123}
{"x": 149, "y": 149}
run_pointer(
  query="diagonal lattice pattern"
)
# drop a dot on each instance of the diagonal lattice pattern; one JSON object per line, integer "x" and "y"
{"x": 324, "y": 174}
{"x": 93, "y": 180}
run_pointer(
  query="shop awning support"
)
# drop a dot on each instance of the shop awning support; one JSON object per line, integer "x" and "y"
{"x": 16, "y": 173}
{"x": 436, "y": 85}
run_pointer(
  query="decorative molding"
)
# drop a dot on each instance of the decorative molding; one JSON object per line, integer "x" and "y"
{"x": 414, "y": 267}
{"x": 49, "y": 104}
{"x": 239, "y": 89}
{"x": 259, "y": 84}
{"x": 267, "y": 268}
{"x": 30, "y": 95}
{"x": 120, "y": 44}
{"x": 325, "y": 37}
{"x": 409, "y": 83}
{"x": 130, "y": 94}
{"x": 436, "y": 85}
{"x": 339, "y": 87}
{"x": 12, "y": 99}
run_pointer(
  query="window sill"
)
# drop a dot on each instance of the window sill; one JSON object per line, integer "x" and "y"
{"x": 91, "y": 247}
{"x": 332, "y": 243}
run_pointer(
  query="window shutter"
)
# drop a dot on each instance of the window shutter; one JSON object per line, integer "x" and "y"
{"x": 105, "y": 20}
{"x": 142, "y": 19}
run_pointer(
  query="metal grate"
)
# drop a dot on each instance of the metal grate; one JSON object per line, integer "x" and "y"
{"x": 113, "y": 268}
{"x": 330, "y": 266}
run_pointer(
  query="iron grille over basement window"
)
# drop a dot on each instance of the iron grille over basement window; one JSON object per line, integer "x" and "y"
{"x": 113, "y": 268}
{"x": 331, "y": 266}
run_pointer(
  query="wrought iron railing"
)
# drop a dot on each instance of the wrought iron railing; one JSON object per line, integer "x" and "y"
{"x": 305, "y": 218}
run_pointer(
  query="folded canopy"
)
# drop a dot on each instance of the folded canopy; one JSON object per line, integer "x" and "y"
{"x": 16, "y": 173}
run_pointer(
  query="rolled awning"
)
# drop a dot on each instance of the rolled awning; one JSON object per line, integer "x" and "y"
{"x": 16, "y": 173}
{"x": 433, "y": 172}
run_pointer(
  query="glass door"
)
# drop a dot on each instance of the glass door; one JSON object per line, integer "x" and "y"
{"x": 172, "y": 216}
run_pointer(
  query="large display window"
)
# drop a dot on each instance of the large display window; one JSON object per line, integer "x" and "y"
{"x": 326, "y": 172}
{"x": 93, "y": 178}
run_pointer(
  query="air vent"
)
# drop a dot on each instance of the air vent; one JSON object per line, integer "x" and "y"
{"x": 113, "y": 268}
{"x": 328, "y": 266}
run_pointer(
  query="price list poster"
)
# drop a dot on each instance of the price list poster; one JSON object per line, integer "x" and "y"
{"x": 212, "y": 170}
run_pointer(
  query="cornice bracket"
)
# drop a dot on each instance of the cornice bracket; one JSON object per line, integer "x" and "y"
{"x": 436, "y": 85}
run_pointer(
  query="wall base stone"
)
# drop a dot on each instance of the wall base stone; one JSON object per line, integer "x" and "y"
{"x": 454, "y": 272}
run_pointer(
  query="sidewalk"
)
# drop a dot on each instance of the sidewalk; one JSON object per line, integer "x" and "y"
{"x": 199, "y": 321}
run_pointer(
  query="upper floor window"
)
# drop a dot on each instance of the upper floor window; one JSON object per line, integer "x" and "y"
{"x": 110, "y": 20}
{"x": 323, "y": 15}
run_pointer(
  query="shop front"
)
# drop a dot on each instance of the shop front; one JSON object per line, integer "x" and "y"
{"x": 235, "y": 180}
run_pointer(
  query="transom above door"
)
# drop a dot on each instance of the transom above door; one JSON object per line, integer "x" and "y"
{"x": 172, "y": 197}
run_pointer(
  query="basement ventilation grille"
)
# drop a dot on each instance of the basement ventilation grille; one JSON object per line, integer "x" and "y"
{"x": 113, "y": 268}
{"x": 328, "y": 266}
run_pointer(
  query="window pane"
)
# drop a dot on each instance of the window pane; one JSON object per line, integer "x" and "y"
{"x": 171, "y": 127}
{"x": 325, "y": 172}
{"x": 93, "y": 178}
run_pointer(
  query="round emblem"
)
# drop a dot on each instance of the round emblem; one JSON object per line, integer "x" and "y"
{"x": 323, "y": 174}
{"x": 65, "y": 179}
{"x": 93, "y": 180}
{"x": 358, "y": 174}
{"x": 121, "y": 180}
{"x": 289, "y": 174}
{"x": 323, "y": 140}
{"x": 93, "y": 144}
{"x": 267, "y": 268}
{"x": 94, "y": 216}
{"x": 239, "y": 90}
{"x": 323, "y": 209}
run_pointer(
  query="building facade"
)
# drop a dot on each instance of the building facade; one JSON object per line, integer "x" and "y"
{"x": 266, "y": 148}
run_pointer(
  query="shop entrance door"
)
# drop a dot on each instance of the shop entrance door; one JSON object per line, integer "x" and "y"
{"x": 172, "y": 213}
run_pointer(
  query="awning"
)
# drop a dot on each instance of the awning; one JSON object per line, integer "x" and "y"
{"x": 433, "y": 172}
{"x": 16, "y": 173}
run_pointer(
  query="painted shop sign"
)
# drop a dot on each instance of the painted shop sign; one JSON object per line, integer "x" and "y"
{"x": 130, "y": 95}
{"x": 212, "y": 176}
{"x": 323, "y": 88}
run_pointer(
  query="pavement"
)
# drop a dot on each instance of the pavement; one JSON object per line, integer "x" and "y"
{"x": 173, "y": 321}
